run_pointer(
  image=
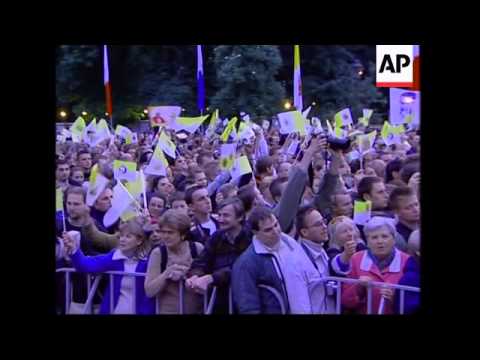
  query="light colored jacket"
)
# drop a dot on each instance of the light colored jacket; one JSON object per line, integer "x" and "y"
{"x": 322, "y": 265}
{"x": 297, "y": 273}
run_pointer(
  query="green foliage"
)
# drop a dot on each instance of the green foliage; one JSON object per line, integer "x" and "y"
{"x": 251, "y": 78}
{"x": 246, "y": 80}
{"x": 330, "y": 79}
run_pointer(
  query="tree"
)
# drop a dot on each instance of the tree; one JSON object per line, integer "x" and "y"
{"x": 330, "y": 78}
{"x": 245, "y": 78}
{"x": 76, "y": 69}
{"x": 250, "y": 78}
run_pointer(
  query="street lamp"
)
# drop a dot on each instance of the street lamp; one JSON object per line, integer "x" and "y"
{"x": 145, "y": 111}
{"x": 63, "y": 114}
{"x": 106, "y": 114}
{"x": 84, "y": 113}
{"x": 314, "y": 103}
{"x": 287, "y": 105}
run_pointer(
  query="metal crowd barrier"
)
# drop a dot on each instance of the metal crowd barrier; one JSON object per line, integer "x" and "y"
{"x": 208, "y": 303}
{"x": 332, "y": 285}
{"x": 277, "y": 295}
{"x": 335, "y": 284}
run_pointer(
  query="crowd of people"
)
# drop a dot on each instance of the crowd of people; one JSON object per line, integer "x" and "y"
{"x": 286, "y": 225}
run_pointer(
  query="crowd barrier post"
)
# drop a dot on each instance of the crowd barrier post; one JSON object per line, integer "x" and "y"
{"x": 277, "y": 296}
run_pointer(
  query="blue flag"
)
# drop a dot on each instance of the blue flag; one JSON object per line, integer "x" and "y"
{"x": 200, "y": 80}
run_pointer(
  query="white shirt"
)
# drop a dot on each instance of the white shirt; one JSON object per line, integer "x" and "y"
{"x": 298, "y": 272}
{"x": 326, "y": 304}
{"x": 125, "y": 300}
{"x": 319, "y": 255}
{"x": 210, "y": 225}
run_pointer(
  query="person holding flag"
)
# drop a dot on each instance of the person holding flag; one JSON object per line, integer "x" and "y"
{"x": 75, "y": 199}
{"x": 130, "y": 256}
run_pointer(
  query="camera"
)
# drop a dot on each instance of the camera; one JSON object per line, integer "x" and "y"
{"x": 338, "y": 144}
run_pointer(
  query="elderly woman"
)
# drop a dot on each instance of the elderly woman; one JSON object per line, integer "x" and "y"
{"x": 169, "y": 262}
{"x": 344, "y": 241}
{"x": 381, "y": 262}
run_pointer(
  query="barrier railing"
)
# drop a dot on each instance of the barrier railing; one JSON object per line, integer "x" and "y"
{"x": 332, "y": 286}
{"x": 207, "y": 303}
{"x": 277, "y": 296}
{"x": 335, "y": 284}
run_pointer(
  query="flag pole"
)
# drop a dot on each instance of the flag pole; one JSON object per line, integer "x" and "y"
{"x": 63, "y": 219}
{"x": 144, "y": 191}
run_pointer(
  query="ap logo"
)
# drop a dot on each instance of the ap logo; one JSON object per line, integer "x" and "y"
{"x": 395, "y": 65}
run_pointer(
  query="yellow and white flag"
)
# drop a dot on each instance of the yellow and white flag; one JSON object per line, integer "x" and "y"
{"x": 123, "y": 132}
{"x": 292, "y": 121}
{"x": 123, "y": 205}
{"x": 297, "y": 80}
{"x": 158, "y": 163}
{"x": 365, "y": 142}
{"x": 189, "y": 124}
{"x": 97, "y": 183}
{"x": 228, "y": 129}
{"x": 343, "y": 117}
{"x": 59, "y": 200}
{"x": 240, "y": 167}
{"x": 227, "y": 156}
{"x": 124, "y": 170}
{"x": 213, "y": 124}
{"x": 167, "y": 145}
{"x": 77, "y": 129}
{"x": 362, "y": 212}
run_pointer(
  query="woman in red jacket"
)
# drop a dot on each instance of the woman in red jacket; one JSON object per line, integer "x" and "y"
{"x": 381, "y": 262}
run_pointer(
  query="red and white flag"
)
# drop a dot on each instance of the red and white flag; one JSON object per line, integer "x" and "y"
{"x": 106, "y": 81}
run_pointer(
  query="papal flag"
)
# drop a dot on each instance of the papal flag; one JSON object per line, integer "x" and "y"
{"x": 297, "y": 80}
{"x": 158, "y": 163}
{"x": 97, "y": 183}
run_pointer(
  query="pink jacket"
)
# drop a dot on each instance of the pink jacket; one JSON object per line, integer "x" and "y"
{"x": 362, "y": 265}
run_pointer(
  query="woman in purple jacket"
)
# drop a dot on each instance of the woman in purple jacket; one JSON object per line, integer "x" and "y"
{"x": 130, "y": 256}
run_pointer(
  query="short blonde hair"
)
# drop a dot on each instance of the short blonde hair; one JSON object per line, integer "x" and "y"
{"x": 136, "y": 226}
{"x": 334, "y": 227}
{"x": 177, "y": 220}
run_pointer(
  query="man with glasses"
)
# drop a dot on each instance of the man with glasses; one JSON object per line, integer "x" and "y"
{"x": 312, "y": 234}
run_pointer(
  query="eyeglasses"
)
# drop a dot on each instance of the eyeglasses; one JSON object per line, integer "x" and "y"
{"x": 320, "y": 223}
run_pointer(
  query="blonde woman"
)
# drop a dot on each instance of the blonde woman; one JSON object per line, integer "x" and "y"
{"x": 344, "y": 241}
{"x": 129, "y": 256}
{"x": 169, "y": 262}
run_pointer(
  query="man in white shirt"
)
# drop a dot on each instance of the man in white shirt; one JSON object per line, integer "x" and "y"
{"x": 312, "y": 231}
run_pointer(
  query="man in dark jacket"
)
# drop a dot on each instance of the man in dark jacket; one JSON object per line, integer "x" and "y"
{"x": 84, "y": 160}
{"x": 213, "y": 266}
{"x": 276, "y": 260}
{"x": 204, "y": 225}
{"x": 75, "y": 203}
